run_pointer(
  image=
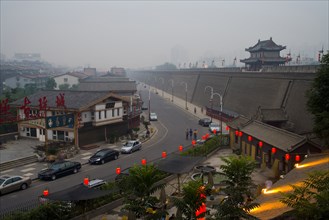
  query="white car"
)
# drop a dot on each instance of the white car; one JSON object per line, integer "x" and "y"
{"x": 131, "y": 146}
{"x": 214, "y": 126}
{"x": 153, "y": 116}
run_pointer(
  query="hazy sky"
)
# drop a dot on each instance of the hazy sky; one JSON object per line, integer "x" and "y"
{"x": 135, "y": 34}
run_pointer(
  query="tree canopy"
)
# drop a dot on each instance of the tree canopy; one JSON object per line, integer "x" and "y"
{"x": 318, "y": 100}
{"x": 51, "y": 84}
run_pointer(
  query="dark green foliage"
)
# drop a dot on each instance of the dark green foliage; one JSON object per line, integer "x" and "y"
{"x": 204, "y": 149}
{"x": 64, "y": 86}
{"x": 318, "y": 100}
{"x": 311, "y": 199}
{"x": 51, "y": 84}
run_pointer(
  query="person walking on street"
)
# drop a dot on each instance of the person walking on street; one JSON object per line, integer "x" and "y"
{"x": 195, "y": 132}
{"x": 194, "y": 110}
{"x": 186, "y": 133}
{"x": 191, "y": 133}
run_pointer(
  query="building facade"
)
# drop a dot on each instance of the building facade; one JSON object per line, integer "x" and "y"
{"x": 69, "y": 79}
{"x": 263, "y": 54}
{"x": 20, "y": 81}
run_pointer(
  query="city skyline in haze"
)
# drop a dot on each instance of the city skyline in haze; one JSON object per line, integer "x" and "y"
{"x": 137, "y": 34}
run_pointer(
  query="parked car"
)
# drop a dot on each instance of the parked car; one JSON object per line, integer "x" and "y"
{"x": 96, "y": 183}
{"x": 144, "y": 107}
{"x": 153, "y": 116}
{"x": 204, "y": 122}
{"x": 214, "y": 126}
{"x": 58, "y": 169}
{"x": 131, "y": 146}
{"x": 104, "y": 155}
{"x": 12, "y": 183}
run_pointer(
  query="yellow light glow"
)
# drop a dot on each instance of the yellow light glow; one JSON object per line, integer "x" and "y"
{"x": 313, "y": 163}
{"x": 285, "y": 188}
{"x": 268, "y": 206}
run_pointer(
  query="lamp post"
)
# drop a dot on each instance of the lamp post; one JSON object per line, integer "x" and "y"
{"x": 185, "y": 94}
{"x": 149, "y": 103}
{"x": 211, "y": 98}
{"x": 221, "y": 118}
{"x": 162, "y": 84}
{"x": 155, "y": 80}
{"x": 172, "y": 90}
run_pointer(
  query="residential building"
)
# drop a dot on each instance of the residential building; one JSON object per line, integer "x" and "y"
{"x": 21, "y": 80}
{"x": 70, "y": 79}
{"x": 89, "y": 71}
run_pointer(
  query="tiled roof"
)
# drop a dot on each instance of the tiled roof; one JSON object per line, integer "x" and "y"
{"x": 115, "y": 86}
{"x": 75, "y": 100}
{"x": 268, "y": 115}
{"x": 270, "y": 206}
{"x": 238, "y": 122}
{"x": 266, "y": 45}
{"x": 105, "y": 79}
{"x": 79, "y": 75}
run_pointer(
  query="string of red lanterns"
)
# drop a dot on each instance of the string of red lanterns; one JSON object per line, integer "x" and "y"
{"x": 45, "y": 192}
{"x": 143, "y": 161}
{"x": 180, "y": 148}
{"x": 118, "y": 170}
{"x": 86, "y": 181}
{"x": 164, "y": 154}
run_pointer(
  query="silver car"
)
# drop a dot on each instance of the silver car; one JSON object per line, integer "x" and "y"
{"x": 131, "y": 146}
{"x": 12, "y": 183}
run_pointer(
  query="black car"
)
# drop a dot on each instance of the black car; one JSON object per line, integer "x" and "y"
{"x": 205, "y": 122}
{"x": 58, "y": 169}
{"x": 104, "y": 155}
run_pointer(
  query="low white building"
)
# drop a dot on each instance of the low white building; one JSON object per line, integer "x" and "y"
{"x": 70, "y": 79}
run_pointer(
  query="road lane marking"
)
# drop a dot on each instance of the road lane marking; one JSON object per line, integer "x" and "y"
{"x": 85, "y": 158}
{"x": 7, "y": 171}
{"x": 86, "y": 154}
{"x": 28, "y": 169}
{"x": 28, "y": 174}
{"x": 29, "y": 165}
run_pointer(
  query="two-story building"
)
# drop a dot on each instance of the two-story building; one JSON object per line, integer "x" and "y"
{"x": 70, "y": 79}
{"x": 21, "y": 80}
{"x": 80, "y": 117}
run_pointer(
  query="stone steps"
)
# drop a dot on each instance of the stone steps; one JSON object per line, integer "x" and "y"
{"x": 18, "y": 162}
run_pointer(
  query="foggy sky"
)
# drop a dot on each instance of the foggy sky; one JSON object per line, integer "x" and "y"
{"x": 135, "y": 34}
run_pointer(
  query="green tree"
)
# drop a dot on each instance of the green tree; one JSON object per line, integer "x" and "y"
{"x": 64, "y": 86}
{"x": 138, "y": 190}
{"x": 311, "y": 199}
{"x": 30, "y": 89}
{"x": 51, "y": 84}
{"x": 318, "y": 100}
{"x": 166, "y": 66}
{"x": 239, "y": 188}
{"x": 191, "y": 199}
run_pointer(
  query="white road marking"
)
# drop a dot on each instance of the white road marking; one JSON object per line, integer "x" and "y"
{"x": 28, "y": 169}
{"x": 85, "y": 158}
{"x": 85, "y": 154}
{"x": 29, "y": 165}
{"x": 28, "y": 174}
{"x": 6, "y": 171}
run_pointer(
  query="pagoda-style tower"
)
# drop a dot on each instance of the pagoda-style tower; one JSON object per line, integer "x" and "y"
{"x": 264, "y": 53}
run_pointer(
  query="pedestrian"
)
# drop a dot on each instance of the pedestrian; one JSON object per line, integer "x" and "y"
{"x": 191, "y": 133}
{"x": 194, "y": 110}
{"x": 202, "y": 110}
{"x": 186, "y": 133}
{"x": 195, "y": 132}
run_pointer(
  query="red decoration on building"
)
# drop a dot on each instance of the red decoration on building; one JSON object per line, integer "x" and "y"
{"x": 236, "y": 133}
{"x": 26, "y": 108}
{"x": 60, "y": 100}
{"x": 249, "y": 138}
{"x": 45, "y": 192}
{"x": 260, "y": 144}
{"x": 214, "y": 131}
{"x": 4, "y": 107}
{"x": 297, "y": 158}
{"x": 204, "y": 137}
{"x": 193, "y": 142}
{"x": 164, "y": 154}
{"x": 287, "y": 157}
{"x": 227, "y": 128}
{"x": 86, "y": 181}
{"x": 143, "y": 161}
{"x": 240, "y": 133}
{"x": 273, "y": 150}
{"x": 43, "y": 104}
{"x": 118, "y": 170}
{"x": 180, "y": 148}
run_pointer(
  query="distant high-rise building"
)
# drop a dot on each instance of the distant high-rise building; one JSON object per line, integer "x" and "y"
{"x": 89, "y": 71}
{"x": 27, "y": 57}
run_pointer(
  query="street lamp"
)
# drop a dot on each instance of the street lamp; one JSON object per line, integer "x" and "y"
{"x": 172, "y": 90}
{"x": 155, "y": 79}
{"x": 162, "y": 84}
{"x": 221, "y": 111}
{"x": 149, "y": 103}
{"x": 185, "y": 94}
{"x": 211, "y": 98}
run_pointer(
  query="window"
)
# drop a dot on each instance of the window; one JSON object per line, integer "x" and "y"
{"x": 92, "y": 115}
{"x": 85, "y": 115}
{"x": 99, "y": 115}
{"x": 66, "y": 80}
{"x": 54, "y": 135}
{"x": 118, "y": 112}
{"x": 105, "y": 116}
{"x": 28, "y": 134}
{"x": 112, "y": 112}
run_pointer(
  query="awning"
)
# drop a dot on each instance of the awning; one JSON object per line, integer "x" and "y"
{"x": 178, "y": 164}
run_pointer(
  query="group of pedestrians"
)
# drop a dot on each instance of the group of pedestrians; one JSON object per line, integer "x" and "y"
{"x": 189, "y": 134}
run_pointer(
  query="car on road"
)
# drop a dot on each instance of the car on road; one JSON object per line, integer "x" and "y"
{"x": 58, "y": 169}
{"x": 153, "y": 116}
{"x": 205, "y": 122}
{"x": 144, "y": 107}
{"x": 12, "y": 183}
{"x": 214, "y": 126}
{"x": 131, "y": 146}
{"x": 96, "y": 183}
{"x": 104, "y": 155}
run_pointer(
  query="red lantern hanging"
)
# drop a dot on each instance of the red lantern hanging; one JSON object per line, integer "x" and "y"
{"x": 86, "y": 181}
{"x": 287, "y": 157}
{"x": 297, "y": 158}
{"x": 214, "y": 131}
{"x": 207, "y": 135}
{"x": 164, "y": 154}
{"x": 204, "y": 137}
{"x": 180, "y": 148}
{"x": 193, "y": 142}
{"x": 236, "y": 133}
{"x": 240, "y": 133}
{"x": 249, "y": 138}
{"x": 143, "y": 161}
{"x": 227, "y": 128}
{"x": 260, "y": 144}
{"x": 45, "y": 192}
{"x": 118, "y": 170}
{"x": 273, "y": 150}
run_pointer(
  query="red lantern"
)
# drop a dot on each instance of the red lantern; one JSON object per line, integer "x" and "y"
{"x": 214, "y": 131}
{"x": 287, "y": 157}
{"x": 164, "y": 154}
{"x": 86, "y": 181}
{"x": 260, "y": 144}
{"x": 180, "y": 148}
{"x": 297, "y": 158}
{"x": 193, "y": 142}
{"x": 227, "y": 128}
{"x": 45, "y": 192}
{"x": 207, "y": 135}
{"x": 118, "y": 170}
{"x": 249, "y": 138}
{"x": 236, "y": 133}
{"x": 273, "y": 150}
{"x": 240, "y": 133}
{"x": 204, "y": 137}
{"x": 144, "y": 161}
